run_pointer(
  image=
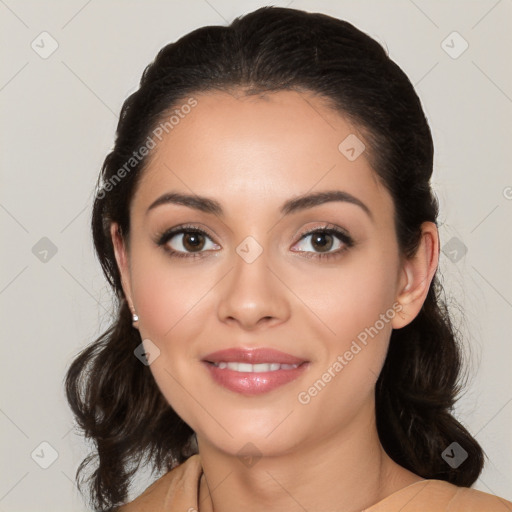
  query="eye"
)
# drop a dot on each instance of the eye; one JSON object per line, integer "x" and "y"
{"x": 192, "y": 242}
{"x": 327, "y": 241}
{"x": 186, "y": 242}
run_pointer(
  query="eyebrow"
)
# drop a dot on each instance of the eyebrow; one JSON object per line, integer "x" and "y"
{"x": 296, "y": 204}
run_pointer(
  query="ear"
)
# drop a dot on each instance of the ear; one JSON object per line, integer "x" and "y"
{"x": 122, "y": 259}
{"x": 416, "y": 276}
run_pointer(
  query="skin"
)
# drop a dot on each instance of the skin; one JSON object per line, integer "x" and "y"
{"x": 251, "y": 154}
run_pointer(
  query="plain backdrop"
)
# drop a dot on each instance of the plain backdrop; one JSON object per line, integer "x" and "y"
{"x": 66, "y": 68}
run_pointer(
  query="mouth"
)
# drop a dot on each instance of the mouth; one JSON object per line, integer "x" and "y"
{"x": 253, "y": 371}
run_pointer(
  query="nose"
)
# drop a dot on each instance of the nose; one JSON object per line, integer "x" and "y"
{"x": 252, "y": 295}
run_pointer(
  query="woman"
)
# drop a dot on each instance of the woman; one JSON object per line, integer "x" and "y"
{"x": 267, "y": 223}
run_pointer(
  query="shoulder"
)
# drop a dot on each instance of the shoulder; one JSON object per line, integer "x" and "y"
{"x": 177, "y": 487}
{"x": 436, "y": 495}
{"x": 469, "y": 500}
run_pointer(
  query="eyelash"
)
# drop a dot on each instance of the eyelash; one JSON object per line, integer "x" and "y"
{"x": 329, "y": 229}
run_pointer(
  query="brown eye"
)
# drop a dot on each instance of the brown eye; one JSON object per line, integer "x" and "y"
{"x": 322, "y": 241}
{"x": 186, "y": 242}
{"x": 193, "y": 241}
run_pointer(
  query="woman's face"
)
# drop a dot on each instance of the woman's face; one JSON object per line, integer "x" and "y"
{"x": 258, "y": 278}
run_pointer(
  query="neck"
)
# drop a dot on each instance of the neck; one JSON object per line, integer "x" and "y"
{"x": 346, "y": 471}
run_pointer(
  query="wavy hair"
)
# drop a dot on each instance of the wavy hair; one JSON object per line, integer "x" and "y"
{"x": 114, "y": 397}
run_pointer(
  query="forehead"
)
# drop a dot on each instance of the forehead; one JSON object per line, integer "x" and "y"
{"x": 249, "y": 151}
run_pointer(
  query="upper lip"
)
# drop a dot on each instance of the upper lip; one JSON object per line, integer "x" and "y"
{"x": 252, "y": 356}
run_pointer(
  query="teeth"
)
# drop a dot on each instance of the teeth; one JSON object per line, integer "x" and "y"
{"x": 252, "y": 368}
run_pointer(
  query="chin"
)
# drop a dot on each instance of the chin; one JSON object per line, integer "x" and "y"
{"x": 250, "y": 438}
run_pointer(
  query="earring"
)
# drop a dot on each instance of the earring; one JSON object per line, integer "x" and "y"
{"x": 135, "y": 317}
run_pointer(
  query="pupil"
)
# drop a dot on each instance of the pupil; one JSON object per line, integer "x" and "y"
{"x": 319, "y": 239}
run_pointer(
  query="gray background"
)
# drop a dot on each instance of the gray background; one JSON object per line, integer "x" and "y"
{"x": 59, "y": 116}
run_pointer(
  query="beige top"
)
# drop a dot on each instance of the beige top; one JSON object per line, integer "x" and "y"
{"x": 176, "y": 491}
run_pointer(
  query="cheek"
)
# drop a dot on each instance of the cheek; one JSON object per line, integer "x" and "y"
{"x": 355, "y": 306}
{"x": 350, "y": 297}
{"x": 167, "y": 295}
{"x": 169, "y": 300}
{"x": 357, "y": 312}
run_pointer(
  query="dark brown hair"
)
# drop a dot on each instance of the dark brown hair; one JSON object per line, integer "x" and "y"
{"x": 114, "y": 397}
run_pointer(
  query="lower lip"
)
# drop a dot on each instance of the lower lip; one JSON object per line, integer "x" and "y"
{"x": 254, "y": 383}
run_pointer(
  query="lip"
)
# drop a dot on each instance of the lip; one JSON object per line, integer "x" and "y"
{"x": 253, "y": 383}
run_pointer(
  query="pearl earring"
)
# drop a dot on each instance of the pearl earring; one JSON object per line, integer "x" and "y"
{"x": 135, "y": 317}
